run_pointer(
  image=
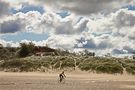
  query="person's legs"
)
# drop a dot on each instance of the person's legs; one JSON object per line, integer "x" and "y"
{"x": 61, "y": 77}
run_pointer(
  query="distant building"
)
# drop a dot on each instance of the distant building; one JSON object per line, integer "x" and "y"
{"x": 86, "y": 53}
{"x": 133, "y": 56}
{"x": 108, "y": 55}
{"x": 1, "y": 45}
{"x": 44, "y": 51}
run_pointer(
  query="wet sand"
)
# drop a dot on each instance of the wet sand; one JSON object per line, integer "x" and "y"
{"x": 74, "y": 81}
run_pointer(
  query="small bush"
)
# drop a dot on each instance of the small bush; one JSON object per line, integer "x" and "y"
{"x": 130, "y": 69}
{"x": 57, "y": 65}
{"x": 109, "y": 68}
{"x": 12, "y": 64}
{"x": 85, "y": 67}
{"x": 67, "y": 63}
{"x": 23, "y": 65}
{"x": 101, "y": 66}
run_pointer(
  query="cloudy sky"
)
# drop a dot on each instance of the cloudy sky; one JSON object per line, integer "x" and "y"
{"x": 100, "y": 26}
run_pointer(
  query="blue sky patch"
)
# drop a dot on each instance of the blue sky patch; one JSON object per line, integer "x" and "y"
{"x": 23, "y": 35}
{"x": 130, "y": 7}
{"x": 63, "y": 13}
{"x": 27, "y": 7}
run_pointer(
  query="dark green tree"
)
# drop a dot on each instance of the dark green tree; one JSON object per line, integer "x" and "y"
{"x": 31, "y": 47}
{"x": 26, "y": 49}
{"x": 87, "y": 53}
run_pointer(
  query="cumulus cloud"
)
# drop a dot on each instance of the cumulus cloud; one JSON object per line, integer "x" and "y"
{"x": 132, "y": 2}
{"x": 110, "y": 34}
{"x": 4, "y": 8}
{"x": 118, "y": 22}
{"x": 124, "y": 18}
{"x": 52, "y": 23}
{"x": 26, "y": 7}
{"x": 9, "y": 43}
{"x": 69, "y": 27}
{"x": 62, "y": 41}
{"x": 86, "y": 7}
{"x": 11, "y": 26}
{"x": 89, "y": 6}
{"x": 117, "y": 51}
{"x": 100, "y": 35}
{"x": 129, "y": 49}
{"x": 113, "y": 33}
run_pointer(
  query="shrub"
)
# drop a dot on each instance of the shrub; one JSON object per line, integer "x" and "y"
{"x": 23, "y": 65}
{"x": 109, "y": 68}
{"x": 101, "y": 66}
{"x": 11, "y": 64}
{"x": 57, "y": 65}
{"x": 130, "y": 69}
{"x": 6, "y": 53}
{"x": 26, "y": 49}
{"x": 85, "y": 67}
{"x": 67, "y": 63}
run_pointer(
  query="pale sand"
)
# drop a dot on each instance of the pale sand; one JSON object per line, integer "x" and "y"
{"x": 75, "y": 75}
{"x": 74, "y": 81}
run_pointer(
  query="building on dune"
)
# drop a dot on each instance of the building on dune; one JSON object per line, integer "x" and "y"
{"x": 44, "y": 51}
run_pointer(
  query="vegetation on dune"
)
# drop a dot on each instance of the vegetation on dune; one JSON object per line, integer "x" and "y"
{"x": 101, "y": 65}
{"x": 130, "y": 69}
{"x": 130, "y": 66}
{"x": 24, "y": 59}
{"x": 26, "y": 49}
{"x": 7, "y": 53}
{"x": 91, "y": 64}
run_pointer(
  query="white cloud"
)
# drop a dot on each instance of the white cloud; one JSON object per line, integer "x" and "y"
{"x": 114, "y": 33}
{"x": 4, "y": 8}
{"x": 11, "y": 26}
{"x": 9, "y": 43}
{"x": 86, "y": 7}
{"x": 52, "y": 23}
{"x": 62, "y": 41}
{"x": 124, "y": 18}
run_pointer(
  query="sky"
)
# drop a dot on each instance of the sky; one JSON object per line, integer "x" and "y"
{"x": 100, "y": 26}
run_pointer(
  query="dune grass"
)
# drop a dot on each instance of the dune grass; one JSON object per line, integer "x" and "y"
{"x": 91, "y": 64}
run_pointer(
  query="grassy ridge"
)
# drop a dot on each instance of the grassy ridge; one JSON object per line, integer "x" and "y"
{"x": 91, "y": 64}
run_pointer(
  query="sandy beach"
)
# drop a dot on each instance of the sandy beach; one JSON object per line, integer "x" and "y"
{"x": 74, "y": 81}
